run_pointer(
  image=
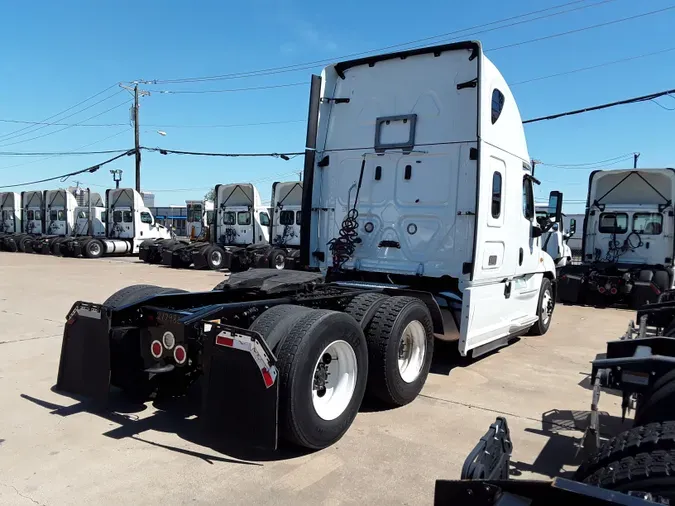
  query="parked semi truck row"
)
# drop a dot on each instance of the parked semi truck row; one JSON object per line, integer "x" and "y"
{"x": 53, "y": 223}
{"x": 628, "y": 245}
{"x": 417, "y": 213}
{"x": 242, "y": 234}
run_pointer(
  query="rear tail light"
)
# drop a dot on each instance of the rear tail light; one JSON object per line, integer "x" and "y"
{"x": 613, "y": 290}
{"x": 179, "y": 355}
{"x": 601, "y": 289}
{"x": 156, "y": 349}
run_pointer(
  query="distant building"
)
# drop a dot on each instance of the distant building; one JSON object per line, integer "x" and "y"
{"x": 148, "y": 199}
{"x": 174, "y": 217}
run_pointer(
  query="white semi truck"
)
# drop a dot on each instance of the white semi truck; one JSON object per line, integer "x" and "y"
{"x": 59, "y": 220}
{"x": 418, "y": 223}
{"x": 627, "y": 245}
{"x": 199, "y": 216}
{"x": 128, "y": 223}
{"x": 90, "y": 222}
{"x": 32, "y": 222}
{"x": 10, "y": 214}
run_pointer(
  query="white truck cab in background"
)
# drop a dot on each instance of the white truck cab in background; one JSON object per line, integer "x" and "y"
{"x": 627, "y": 245}
{"x": 199, "y": 217}
{"x": 417, "y": 176}
{"x": 10, "y": 213}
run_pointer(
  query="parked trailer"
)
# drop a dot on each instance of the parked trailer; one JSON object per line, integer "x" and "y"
{"x": 199, "y": 217}
{"x": 405, "y": 240}
{"x": 10, "y": 218}
{"x": 128, "y": 223}
{"x": 628, "y": 239}
{"x": 32, "y": 223}
{"x": 90, "y": 223}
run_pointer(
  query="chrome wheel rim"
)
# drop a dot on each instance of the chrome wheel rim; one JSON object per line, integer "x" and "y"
{"x": 412, "y": 351}
{"x": 334, "y": 380}
{"x": 546, "y": 307}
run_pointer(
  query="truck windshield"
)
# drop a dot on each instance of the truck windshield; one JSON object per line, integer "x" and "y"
{"x": 128, "y": 217}
{"x": 613, "y": 223}
{"x": 229, "y": 218}
{"x": 53, "y": 216}
{"x": 648, "y": 223}
{"x": 38, "y": 215}
{"x": 82, "y": 214}
{"x": 62, "y": 215}
{"x": 286, "y": 217}
{"x": 244, "y": 218}
{"x": 298, "y": 215}
{"x": 117, "y": 216}
{"x": 30, "y": 215}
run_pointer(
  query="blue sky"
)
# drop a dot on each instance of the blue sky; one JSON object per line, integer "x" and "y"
{"x": 56, "y": 54}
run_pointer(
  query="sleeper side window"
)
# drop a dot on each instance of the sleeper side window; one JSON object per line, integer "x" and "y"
{"x": 528, "y": 199}
{"x": 496, "y": 195}
{"x": 497, "y": 104}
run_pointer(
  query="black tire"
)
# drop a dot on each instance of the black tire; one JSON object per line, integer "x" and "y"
{"x": 652, "y": 472}
{"x": 383, "y": 335}
{"x": 298, "y": 356}
{"x": 646, "y": 438}
{"x": 363, "y": 307}
{"x": 93, "y": 248}
{"x": 275, "y": 323}
{"x": 130, "y": 293}
{"x": 215, "y": 258}
{"x": 55, "y": 246}
{"x": 23, "y": 241}
{"x": 658, "y": 405}
{"x": 662, "y": 280}
{"x": 10, "y": 246}
{"x": 221, "y": 285}
{"x": 277, "y": 259}
{"x": 543, "y": 323}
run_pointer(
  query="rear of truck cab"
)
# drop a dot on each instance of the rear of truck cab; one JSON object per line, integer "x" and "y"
{"x": 421, "y": 172}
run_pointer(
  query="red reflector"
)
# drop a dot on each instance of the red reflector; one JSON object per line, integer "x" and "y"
{"x": 267, "y": 377}
{"x": 655, "y": 289}
{"x": 179, "y": 354}
{"x": 601, "y": 289}
{"x": 156, "y": 349}
{"x": 613, "y": 291}
{"x": 224, "y": 341}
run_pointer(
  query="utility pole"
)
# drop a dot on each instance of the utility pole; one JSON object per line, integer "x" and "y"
{"x": 137, "y": 140}
{"x": 635, "y": 159}
{"x": 137, "y": 132}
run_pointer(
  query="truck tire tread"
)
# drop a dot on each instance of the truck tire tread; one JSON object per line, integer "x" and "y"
{"x": 381, "y": 384}
{"x": 644, "y": 438}
{"x": 275, "y": 323}
{"x": 659, "y": 404}
{"x": 652, "y": 472}
{"x": 363, "y": 307}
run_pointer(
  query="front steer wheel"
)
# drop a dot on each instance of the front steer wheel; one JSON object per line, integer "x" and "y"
{"x": 323, "y": 368}
{"x": 545, "y": 308}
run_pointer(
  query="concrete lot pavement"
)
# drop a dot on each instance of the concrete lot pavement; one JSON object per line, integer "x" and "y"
{"x": 54, "y": 451}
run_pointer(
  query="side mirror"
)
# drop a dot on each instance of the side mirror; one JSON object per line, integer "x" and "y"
{"x": 573, "y": 226}
{"x": 536, "y": 232}
{"x": 555, "y": 201}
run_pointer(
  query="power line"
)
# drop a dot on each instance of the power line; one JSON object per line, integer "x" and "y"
{"x": 60, "y": 124}
{"x": 227, "y": 126}
{"x": 585, "y": 165}
{"x": 283, "y": 156}
{"x": 603, "y": 106}
{"x": 316, "y": 63}
{"x": 53, "y": 156}
{"x": 232, "y": 90}
{"x": 6, "y": 138}
{"x": 64, "y": 177}
{"x": 583, "y": 29}
{"x": 67, "y": 127}
{"x": 606, "y": 64}
{"x": 61, "y": 153}
{"x": 65, "y": 110}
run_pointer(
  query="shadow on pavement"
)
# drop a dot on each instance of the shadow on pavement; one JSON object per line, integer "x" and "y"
{"x": 446, "y": 357}
{"x": 176, "y": 416}
{"x": 565, "y": 431}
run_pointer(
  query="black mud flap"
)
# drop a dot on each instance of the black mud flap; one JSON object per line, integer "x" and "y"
{"x": 241, "y": 387}
{"x": 570, "y": 287}
{"x": 84, "y": 368}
